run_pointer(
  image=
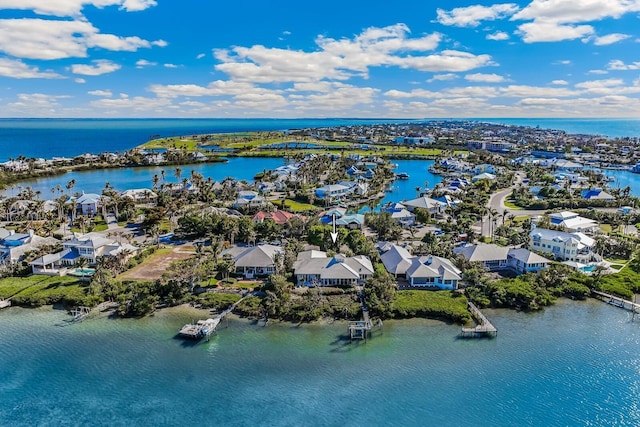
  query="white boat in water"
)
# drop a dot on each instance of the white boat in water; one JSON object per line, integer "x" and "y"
{"x": 4, "y": 303}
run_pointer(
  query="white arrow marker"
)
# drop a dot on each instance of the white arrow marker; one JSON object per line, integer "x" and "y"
{"x": 334, "y": 235}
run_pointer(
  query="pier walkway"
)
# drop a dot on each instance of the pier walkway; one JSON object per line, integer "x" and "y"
{"x": 359, "y": 329}
{"x": 204, "y": 328}
{"x": 484, "y": 327}
{"x": 617, "y": 301}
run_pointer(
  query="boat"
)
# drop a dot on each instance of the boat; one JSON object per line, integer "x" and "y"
{"x": 636, "y": 168}
{"x": 4, "y": 303}
{"x": 199, "y": 329}
{"x": 402, "y": 175}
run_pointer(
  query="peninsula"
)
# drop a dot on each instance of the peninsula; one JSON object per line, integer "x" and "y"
{"x": 519, "y": 216}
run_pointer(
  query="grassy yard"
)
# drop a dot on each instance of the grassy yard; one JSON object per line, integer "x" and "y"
{"x": 434, "y": 304}
{"x": 299, "y": 206}
{"x": 41, "y": 290}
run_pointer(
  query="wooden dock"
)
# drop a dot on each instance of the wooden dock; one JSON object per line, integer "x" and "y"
{"x": 79, "y": 313}
{"x": 483, "y": 328}
{"x": 359, "y": 329}
{"x": 4, "y": 303}
{"x": 617, "y": 301}
{"x": 204, "y": 328}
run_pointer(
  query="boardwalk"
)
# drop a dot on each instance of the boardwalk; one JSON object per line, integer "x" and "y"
{"x": 359, "y": 329}
{"x": 618, "y": 302}
{"x": 204, "y": 328}
{"x": 484, "y": 327}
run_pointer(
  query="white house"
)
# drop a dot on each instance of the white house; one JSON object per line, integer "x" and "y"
{"x": 433, "y": 272}
{"x": 498, "y": 258}
{"x": 562, "y": 245}
{"x": 432, "y": 205}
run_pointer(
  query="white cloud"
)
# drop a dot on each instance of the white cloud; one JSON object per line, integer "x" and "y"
{"x": 200, "y": 56}
{"x": 141, "y": 63}
{"x": 471, "y": 16}
{"x": 443, "y": 77}
{"x": 19, "y": 70}
{"x": 543, "y": 31}
{"x": 609, "y": 39}
{"x": 97, "y": 68}
{"x": 486, "y": 78}
{"x": 216, "y": 88}
{"x": 286, "y": 33}
{"x": 73, "y": 7}
{"x": 498, "y": 35}
{"x": 619, "y": 65}
{"x": 597, "y": 72}
{"x": 79, "y": 80}
{"x": 136, "y": 104}
{"x": 577, "y": 11}
{"x": 49, "y": 39}
{"x": 525, "y": 91}
{"x": 344, "y": 58}
{"x": 560, "y": 82}
{"x": 556, "y": 20}
{"x": 103, "y": 93}
{"x": 170, "y": 66}
{"x": 36, "y": 105}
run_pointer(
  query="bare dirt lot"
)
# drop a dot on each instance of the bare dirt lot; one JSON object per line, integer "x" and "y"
{"x": 153, "y": 267}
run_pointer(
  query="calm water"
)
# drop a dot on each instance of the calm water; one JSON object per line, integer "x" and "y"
{"x": 93, "y": 181}
{"x": 70, "y": 137}
{"x": 608, "y": 127}
{"x": 572, "y": 364}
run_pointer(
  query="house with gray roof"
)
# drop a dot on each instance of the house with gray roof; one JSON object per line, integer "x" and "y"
{"x": 314, "y": 268}
{"x": 433, "y": 272}
{"x": 498, "y": 258}
{"x": 562, "y": 245}
{"x": 432, "y": 205}
{"x": 254, "y": 261}
{"x": 396, "y": 260}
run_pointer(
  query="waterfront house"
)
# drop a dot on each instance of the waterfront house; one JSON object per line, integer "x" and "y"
{"x": 314, "y": 268}
{"x": 435, "y": 207}
{"x": 498, "y": 258}
{"x": 14, "y": 246}
{"x": 333, "y": 191}
{"x": 90, "y": 246}
{"x": 562, "y": 245}
{"x": 433, "y": 272}
{"x": 254, "y": 260}
{"x": 400, "y": 214}
{"x": 524, "y": 261}
{"x": 396, "y": 259}
{"x": 492, "y": 257}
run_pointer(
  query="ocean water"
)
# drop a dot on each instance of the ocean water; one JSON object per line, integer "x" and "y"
{"x": 573, "y": 364}
{"x": 70, "y": 137}
{"x": 47, "y": 138}
{"x": 612, "y": 128}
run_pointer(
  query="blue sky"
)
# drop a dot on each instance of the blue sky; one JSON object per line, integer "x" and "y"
{"x": 374, "y": 58}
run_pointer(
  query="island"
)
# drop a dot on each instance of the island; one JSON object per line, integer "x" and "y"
{"x": 496, "y": 216}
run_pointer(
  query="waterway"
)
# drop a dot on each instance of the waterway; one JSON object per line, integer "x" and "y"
{"x": 573, "y": 364}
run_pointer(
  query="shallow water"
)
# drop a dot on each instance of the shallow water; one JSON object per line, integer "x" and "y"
{"x": 572, "y": 364}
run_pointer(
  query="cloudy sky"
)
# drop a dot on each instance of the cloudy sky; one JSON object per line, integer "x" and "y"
{"x": 347, "y": 58}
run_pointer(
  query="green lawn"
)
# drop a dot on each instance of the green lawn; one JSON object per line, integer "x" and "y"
{"x": 298, "y": 206}
{"x": 40, "y": 290}
{"x": 436, "y": 304}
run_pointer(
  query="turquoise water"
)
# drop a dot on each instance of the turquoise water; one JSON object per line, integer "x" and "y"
{"x": 573, "y": 364}
{"x": 93, "y": 181}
